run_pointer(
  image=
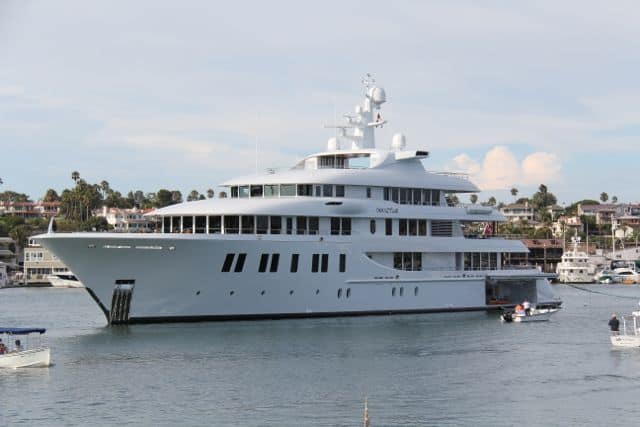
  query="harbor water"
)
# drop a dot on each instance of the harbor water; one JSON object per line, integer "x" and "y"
{"x": 442, "y": 369}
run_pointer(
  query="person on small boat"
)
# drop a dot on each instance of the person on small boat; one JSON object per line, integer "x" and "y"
{"x": 18, "y": 346}
{"x": 614, "y": 324}
{"x": 527, "y": 307}
{"x": 518, "y": 308}
{"x": 3, "y": 348}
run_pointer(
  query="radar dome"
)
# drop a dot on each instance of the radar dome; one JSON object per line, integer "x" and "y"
{"x": 377, "y": 95}
{"x": 398, "y": 142}
{"x": 333, "y": 144}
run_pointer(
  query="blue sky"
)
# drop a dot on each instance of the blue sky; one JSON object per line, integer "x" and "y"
{"x": 153, "y": 94}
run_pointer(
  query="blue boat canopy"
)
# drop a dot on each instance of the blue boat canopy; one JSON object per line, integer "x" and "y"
{"x": 22, "y": 331}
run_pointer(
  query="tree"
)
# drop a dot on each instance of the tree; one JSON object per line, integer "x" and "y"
{"x": 614, "y": 199}
{"x": 492, "y": 201}
{"x": 543, "y": 198}
{"x": 104, "y": 186}
{"x": 75, "y": 176}
{"x": 222, "y": 195}
{"x": 473, "y": 198}
{"x": 51, "y": 196}
{"x": 514, "y": 192}
{"x": 20, "y": 234}
{"x": 210, "y": 193}
{"x": 176, "y": 196}
{"x": 194, "y": 195}
{"x": 604, "y": 197}
{"x": 12, "y": 196}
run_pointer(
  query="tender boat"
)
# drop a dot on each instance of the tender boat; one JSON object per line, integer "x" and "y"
{"x": 64, "y": 280}
{"x": 29, "y": 354}
{"x": 535, "y": 315}
{"x": 629, "y": 335}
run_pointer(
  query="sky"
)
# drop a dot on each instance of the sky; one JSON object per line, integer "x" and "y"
{"x": 185, "y": 95}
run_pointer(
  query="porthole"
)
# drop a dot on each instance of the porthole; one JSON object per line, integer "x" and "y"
{"x": 401, "y": 290}
{"x": 340, "y": 293}
{"x": 232, "y": 292}
{"x": 291, "y": 292}
{"x": 262, "y": 292}
{"x": 415, "y": 291}
{"x": 372, "y": 226}
{"x": 393, "y": 292}
{"x": 317, "y": 291}
{"x": 348, "y": 292}
{"x": 198, "y": 293}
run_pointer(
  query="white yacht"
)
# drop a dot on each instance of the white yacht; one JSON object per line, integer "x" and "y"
{"x": 574, "y": 266}
{"x": 352, "y": 230}
{"x": 64, "y": 279}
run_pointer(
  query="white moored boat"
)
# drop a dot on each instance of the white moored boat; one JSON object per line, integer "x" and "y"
{"x": 629, "y": 335}
{"x": 64, "y": 280}
{"x": 32, "y": 355}
{"x": 574, "y": 265}
{"x": 535, "y": 315}
{"x": 352, "y": 230}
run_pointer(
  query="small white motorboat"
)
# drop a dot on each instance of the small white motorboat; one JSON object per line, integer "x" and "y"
{"x": 64, "y": 280}
{"x": 629, "y": 335}
{"x": 29, "y": 354}
{"x": 535, "y": 315}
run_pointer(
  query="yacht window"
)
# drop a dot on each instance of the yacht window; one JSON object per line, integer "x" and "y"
{"x": 372, "y": 226}
{"x": 275, "y": 259}
{"x": 325, "y": 263}
{"x": 318, "y": 191}
{"x": 403, "y": 196}
{"x": 397, "y": 260}
{"x": 346, "y": 226}
{"x": 201, "y": 224}
{"x": 368, "y": 192}
{"x": 231, "y": 224}
{"x": 435, "y": 197}
{"x": 301, "y": 225}
{"x": 348, "y": 292}
{"x": 467, "y": 261}
{"x": 388, "y": 226}
{"x": 413, "y": 227}
{"x": 417, "y": 261}
{"x": 415, "y": 291}
{"x": 475, "y": 261}
{"x": 176, "y": 224}
{"x": 327, "y": 190}
{"x": 484, "y": 260}
{"x": 287, "y": 190}
{"x": 426, "y": 197}
{"x": 340, "y": 293}
{"x": 276, "y": 224}
{"x": 289, "y": 225}
{"x": 315, "y": 260}
{"x": 256, "y": 191}
{"x": 417, "y": 196}
{"x": 214, "y": 224}
{"x": 339, "y": 190}
{"x": 166, "y": 224}
{"x": 394, "y": 195}
{"x": 401, "y": 290}
{"x": 228, "y": 260}
{"x": 343, "y": 263}
{"x": 262, "y": 224}
{"x": 402, "y": 227}
{"x": 422, "y": 227}
{"x": 248, "y": 224}
{"x": 264, "y": 259}
{"x": 393, "y": 292}
{"x": 234, "y": 191}
{"x": 335, "y": 226}
{"x": 385, "y": 193}
{"x": 244, "y": 191}
{"x": 294, "y": 262}
{"x": 305, "y": 190}
{"x": 314, "y": 224}
{"x": 493, "y": 261}
{"x": 271, "y": 190}
{"x": 240, "y": 263}
{"x": 187, "y": 224}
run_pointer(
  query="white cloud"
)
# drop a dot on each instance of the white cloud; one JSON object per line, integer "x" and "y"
{"x": 500, "y": 169}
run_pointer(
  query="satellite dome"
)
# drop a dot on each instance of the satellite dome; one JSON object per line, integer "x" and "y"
{"x": 398, "y": 142}
{"x": 333, "y": 144}
{"x": 377, "y": 95}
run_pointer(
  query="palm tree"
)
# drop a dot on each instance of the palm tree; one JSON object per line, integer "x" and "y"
{"x": 210, "y": 193}
{"x": 514, "y": 192}
{"x": 75, "y": 176}
{"x": 614, "y": 199}
{"x": 473, "y": 198}
{"x": 604, "y": 197}
{"x": 492, "y": 201}
{"x": 104, "y": 186}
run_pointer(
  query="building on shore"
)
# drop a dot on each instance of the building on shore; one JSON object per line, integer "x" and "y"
{"x": 543, "y": 253}
{"x": 127, "y": 220}
{"x": 39, "y": 263}
{"x": 518, "y": 212}
{"x": 28, "y": 210}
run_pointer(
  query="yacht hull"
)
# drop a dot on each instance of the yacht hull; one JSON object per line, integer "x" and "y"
{"x": 160, "y": 278}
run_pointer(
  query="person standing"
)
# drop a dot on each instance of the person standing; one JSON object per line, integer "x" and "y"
{"x": 527, "y": 307}
{"x": 614, "y": 324}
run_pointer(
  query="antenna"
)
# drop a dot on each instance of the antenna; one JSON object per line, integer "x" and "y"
{"x": 368, "y": 81}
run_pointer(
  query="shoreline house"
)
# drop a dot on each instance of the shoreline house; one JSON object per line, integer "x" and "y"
{"x": 29, "y": 210}
{"x": 39, "y": 263}
{"x": 518, "y": 212}
{"x": 128, "y": 220}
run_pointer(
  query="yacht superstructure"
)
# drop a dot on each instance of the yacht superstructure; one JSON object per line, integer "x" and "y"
{"x": 574, "y": 265}
{"x": 351, "y": 230}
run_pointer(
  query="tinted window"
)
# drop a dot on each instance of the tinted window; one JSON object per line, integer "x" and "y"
{"x": 339, "y": 190}
{"x": 228, "y": 260}
{"x": 262, "y": 224}
{"x": 388, "y": 226}
{"x": 240, "y": 263}
{"x": 372, "y": 226}
{"x": 325, "y": 263}
{"x": 276, "y": 224}
{"x": 346, "y": 226}
{"x": 264, "y": 258}
{"x": 343, "y": 263}
{"x": 315, "y": 260}
{"x": 275, "y": 259}
{"x": 294, "y": 263}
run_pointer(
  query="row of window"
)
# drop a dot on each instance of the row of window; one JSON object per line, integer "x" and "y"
{"x": 319, "y": 263}
{"x": 33, "y": 256}
{"x": 412, "y": 196}
{"x": 480, "y": 261}
{"x": 401, "y": 291}
{"x": 287, "y": 190}
{"x": 408, "y": 261}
